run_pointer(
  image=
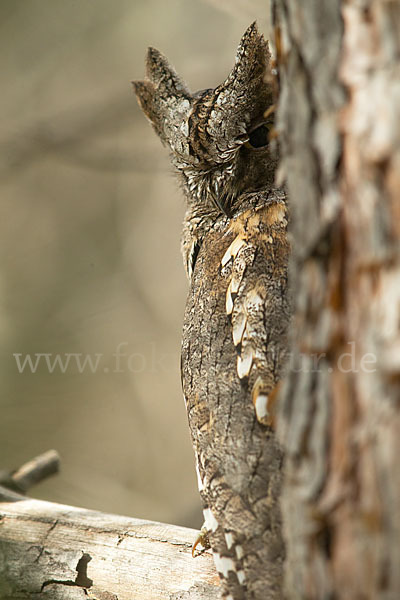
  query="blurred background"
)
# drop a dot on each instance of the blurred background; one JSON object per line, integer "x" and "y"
{"x": 90, "y": 259}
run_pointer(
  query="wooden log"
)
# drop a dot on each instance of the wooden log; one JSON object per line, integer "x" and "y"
{"x": 62, "y": 552}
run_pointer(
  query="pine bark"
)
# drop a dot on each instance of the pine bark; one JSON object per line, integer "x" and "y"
{"x": 339, "y": 125}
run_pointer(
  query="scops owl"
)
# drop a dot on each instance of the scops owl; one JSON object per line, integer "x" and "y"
{"x": 234, "y": 346}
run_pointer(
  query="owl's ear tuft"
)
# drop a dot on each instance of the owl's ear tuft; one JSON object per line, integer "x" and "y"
{"x": 163, "y": 75}
{"x": 245, "y": 95}
{"x": 144, "y": 91}
{"x": 149, "y": 102}
{"x": 252, "y": 59}
{"x": 165, "y": 100}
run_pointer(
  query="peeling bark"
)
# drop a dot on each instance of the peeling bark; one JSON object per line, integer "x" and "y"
{"x": 339, "y": 123}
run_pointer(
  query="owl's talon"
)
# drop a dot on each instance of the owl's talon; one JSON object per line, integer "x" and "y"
{"x": 203, "y": 540}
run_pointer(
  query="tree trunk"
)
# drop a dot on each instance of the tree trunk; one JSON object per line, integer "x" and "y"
{"x": 339, "y": 123}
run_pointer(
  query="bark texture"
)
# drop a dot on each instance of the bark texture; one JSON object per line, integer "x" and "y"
{"x": 339, "y": 120}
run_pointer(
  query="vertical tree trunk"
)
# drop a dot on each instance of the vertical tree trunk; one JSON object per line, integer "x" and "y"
{"x": 339, "y": 120}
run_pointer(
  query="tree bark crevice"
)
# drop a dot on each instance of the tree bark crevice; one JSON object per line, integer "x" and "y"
{"x": 339, "y": 119}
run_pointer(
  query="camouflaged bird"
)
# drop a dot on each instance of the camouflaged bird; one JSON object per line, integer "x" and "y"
{"x": 234, "y": 346}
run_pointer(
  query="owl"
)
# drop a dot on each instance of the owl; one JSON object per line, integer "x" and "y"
{"x": 234, "y": 346}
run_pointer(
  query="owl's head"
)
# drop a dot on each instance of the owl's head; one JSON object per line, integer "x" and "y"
{"x": 219, "y": 139}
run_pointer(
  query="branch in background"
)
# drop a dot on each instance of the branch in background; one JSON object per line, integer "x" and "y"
{"x": 32, "y": 472}
{"x": 71, "y": 134}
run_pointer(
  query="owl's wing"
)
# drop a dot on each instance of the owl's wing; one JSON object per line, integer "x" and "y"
{"x": 241, "y": 269}
{"x": 255, "y": 301}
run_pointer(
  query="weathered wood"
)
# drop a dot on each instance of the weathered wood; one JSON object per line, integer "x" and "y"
{"x": 61, "y": 552}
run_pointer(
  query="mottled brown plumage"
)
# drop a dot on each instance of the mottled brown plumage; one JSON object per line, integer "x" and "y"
{"x": 234, "y": 343}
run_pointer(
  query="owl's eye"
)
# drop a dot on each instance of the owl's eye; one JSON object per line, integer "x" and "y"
{"x": 259, "y": 137}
